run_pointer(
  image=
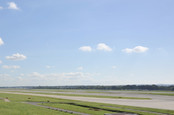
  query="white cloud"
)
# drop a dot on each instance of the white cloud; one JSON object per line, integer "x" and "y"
{"x": 10, "y": 66}
{"x": 114, "y": 67}
{"x": 36, "y": 74}
{"x": 128, "y": 50}
{"x": 75, "y": 75}
{"x": 102, "y": 46}
{"x": 48, "y": 66}
{"x": 16, "y": 57}
{"x": 1, "y": 7}
{"x": 13, "y": 6}
{"x": 70, "y": 75}
{"x": 137, "y": 49}
{"x": 140, "y": 49}
{"x": 85, "y": 48}
{"x": 71, "y": 78}
{"x": 80, "y": 68}
{"x": 3, "y": 76}
{"x": 1, "y": 41}
{"x": 0, "y": 62}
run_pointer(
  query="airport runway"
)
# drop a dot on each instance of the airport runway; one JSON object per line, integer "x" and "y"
{"x": 160, "y": 102}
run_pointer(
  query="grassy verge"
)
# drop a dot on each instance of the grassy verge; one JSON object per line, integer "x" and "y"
{"x": 167, "y": 94}
{"x": 15, "y": 107}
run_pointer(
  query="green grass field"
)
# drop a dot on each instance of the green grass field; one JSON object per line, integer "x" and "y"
{"x": 17, "y": 107}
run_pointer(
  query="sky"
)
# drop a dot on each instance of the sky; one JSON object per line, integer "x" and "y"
{"x": 86, "y": 42}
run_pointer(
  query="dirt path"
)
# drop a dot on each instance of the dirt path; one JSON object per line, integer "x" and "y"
{"x": 159, "y": 104}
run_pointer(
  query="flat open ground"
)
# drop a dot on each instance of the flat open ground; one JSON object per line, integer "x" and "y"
{"x": 157, "y": 101}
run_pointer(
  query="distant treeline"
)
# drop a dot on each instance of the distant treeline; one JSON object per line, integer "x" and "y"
{"x": 100, "y": 87}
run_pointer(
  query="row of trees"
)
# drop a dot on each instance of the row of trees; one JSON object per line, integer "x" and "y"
{"x": 102, "y": 87}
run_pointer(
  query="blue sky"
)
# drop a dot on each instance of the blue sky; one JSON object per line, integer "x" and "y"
{"x": 86, "y": 42}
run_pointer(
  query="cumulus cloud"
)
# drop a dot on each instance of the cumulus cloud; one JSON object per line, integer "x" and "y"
{"x": 16, "y": 57}
{"x": 12, "y": 5}
{"x": 1, "y": 41}
{"x": 10, "y": 66}
{"x": 104, "y": 47}
{"x": 137, "y": 49}
{"x": 128, "y": 50}
{"x": 85, "y": 48}
{"x": 140, "y": 49}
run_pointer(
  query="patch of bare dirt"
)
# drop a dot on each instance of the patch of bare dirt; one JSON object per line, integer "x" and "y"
{"x": 6, "y": 100}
